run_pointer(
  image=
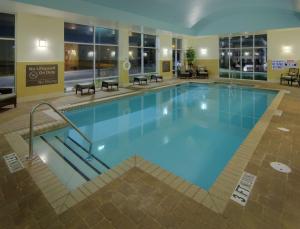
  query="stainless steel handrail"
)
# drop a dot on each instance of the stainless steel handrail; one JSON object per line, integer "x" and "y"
{"x": 31, "y": 133}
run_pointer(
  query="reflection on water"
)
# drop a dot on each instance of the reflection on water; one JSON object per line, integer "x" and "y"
{"x": 191, "y": 130}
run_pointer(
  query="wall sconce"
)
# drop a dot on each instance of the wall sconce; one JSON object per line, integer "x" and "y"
{"x": 42, "y": 44}
{"x": 203, "y": 51}
{"x": 165, "y": 52}
{"x": 286, "y": 49}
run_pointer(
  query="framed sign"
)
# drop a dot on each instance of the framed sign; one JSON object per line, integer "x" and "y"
{"x": 282, "y": 64}
{"x": 166, "y": 66}
{"x": 37, "y": 75}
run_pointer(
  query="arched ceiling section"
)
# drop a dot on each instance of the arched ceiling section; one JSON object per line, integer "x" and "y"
{"x": 252, "y": 19}
{"x": 193, "y": 17}
{"x": 187, "y": 13}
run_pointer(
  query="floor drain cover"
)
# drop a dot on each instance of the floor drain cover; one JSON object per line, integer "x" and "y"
{"x": 280, "y": 167}
{"x": 278, "y": 113}
{"x": 13, "y": 162}
{"x": 283, "y": 129}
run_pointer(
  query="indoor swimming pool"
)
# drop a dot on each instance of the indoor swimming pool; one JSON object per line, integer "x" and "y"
{"x": 191, "y": 130}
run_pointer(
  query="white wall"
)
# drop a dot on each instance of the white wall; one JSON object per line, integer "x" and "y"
{"x": 206, "y": 47}
{"x": 29, "y": 29}
{"x": 165, "y": 46}
{"x": 284, "y": 44}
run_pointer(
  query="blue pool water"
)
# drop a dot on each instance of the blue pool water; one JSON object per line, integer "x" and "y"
{"x": 191, "y": 130}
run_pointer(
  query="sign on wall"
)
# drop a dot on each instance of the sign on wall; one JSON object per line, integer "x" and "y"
{"x": 282, "y": 64}
{"x": 166, "y": 66}
{"x": 37, "y": 75}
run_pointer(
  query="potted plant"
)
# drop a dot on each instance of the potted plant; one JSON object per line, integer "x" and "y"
{"x": 190, "y": 56}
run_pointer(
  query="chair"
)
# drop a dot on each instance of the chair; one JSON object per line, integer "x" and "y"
{"x": 81, "y": 86}
{"x": 185, "y": 75}
{"x": 291, "y": 76}
{"x": 7, "y": 97}
{"x": 202, "y": 73}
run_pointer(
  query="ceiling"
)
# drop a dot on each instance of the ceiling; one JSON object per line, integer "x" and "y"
{"x": 189, "y": 12}
{"x": 196, "y": 17}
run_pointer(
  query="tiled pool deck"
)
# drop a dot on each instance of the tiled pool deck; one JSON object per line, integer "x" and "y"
{"x": 129, "y": 197}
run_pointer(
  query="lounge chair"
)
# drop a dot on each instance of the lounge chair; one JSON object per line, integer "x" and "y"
{"x": 291, "y": 76}
{"x": 185, "y": 75}
{"x": 7, "y": 97}
{"x": 140, "y": 80}
{"x": 156, "y": 78}
{"x": 109, "y": 83}
{"x": 202, "y": 73}
{"x": 81, "y": 86}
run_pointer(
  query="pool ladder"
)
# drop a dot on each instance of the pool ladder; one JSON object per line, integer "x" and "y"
{"x": 31, "y": 130}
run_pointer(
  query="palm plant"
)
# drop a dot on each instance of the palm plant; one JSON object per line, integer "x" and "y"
{"x": 190, "y": 56}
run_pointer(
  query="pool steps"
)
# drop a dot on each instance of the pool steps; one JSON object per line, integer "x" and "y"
{"x": 75, "y": 156}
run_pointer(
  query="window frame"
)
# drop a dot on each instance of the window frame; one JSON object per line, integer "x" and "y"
{"x": 94, "y": 44}
{"x": 142, "y": 47}
{"x": 12, "y": 39}
{"x": 241, "y": 48}
{"x": 177, "y": 50}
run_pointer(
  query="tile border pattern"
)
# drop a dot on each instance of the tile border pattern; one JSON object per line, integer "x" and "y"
{"x": 215, "y": 199}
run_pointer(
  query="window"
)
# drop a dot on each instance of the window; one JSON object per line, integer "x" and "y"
{"x": 135, "y": 39}
{"x": 149, "y": 41}
{"x": 106, "y": 61}
{"x": 142, "y": 53}
{"x": 176, "y": 54}
{"x": 107, "y": 36}
{"x": 78, "y": 33}
{"x": 243, "y": 57}
{"x": 224, "y": 63}
{"x": 149, "y": 60}
{"x": 149, "y": 53}
{"x": 106, "y": 52}
{"x": 135, "y": 59}
{"x": 224, "y": 42}
{"x": 7, "y": 50}
{"x": 88, "y": 58}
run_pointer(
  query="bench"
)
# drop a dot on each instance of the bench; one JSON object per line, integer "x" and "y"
{"x": 80, "y": 87}
{"x": 7, "y": 97}
{"x": 140, "y": 79}
{"x": 110, "y": 83}
{"x": 156, "y": 78}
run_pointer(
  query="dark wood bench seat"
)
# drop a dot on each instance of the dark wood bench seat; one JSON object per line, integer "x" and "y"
{"x": 156, "y": 78}
{"x": 110, "y": 83}
{"x": 81, "y": 86}
{"x": 7, "y": 97}
{"x": 140, "y": 79}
